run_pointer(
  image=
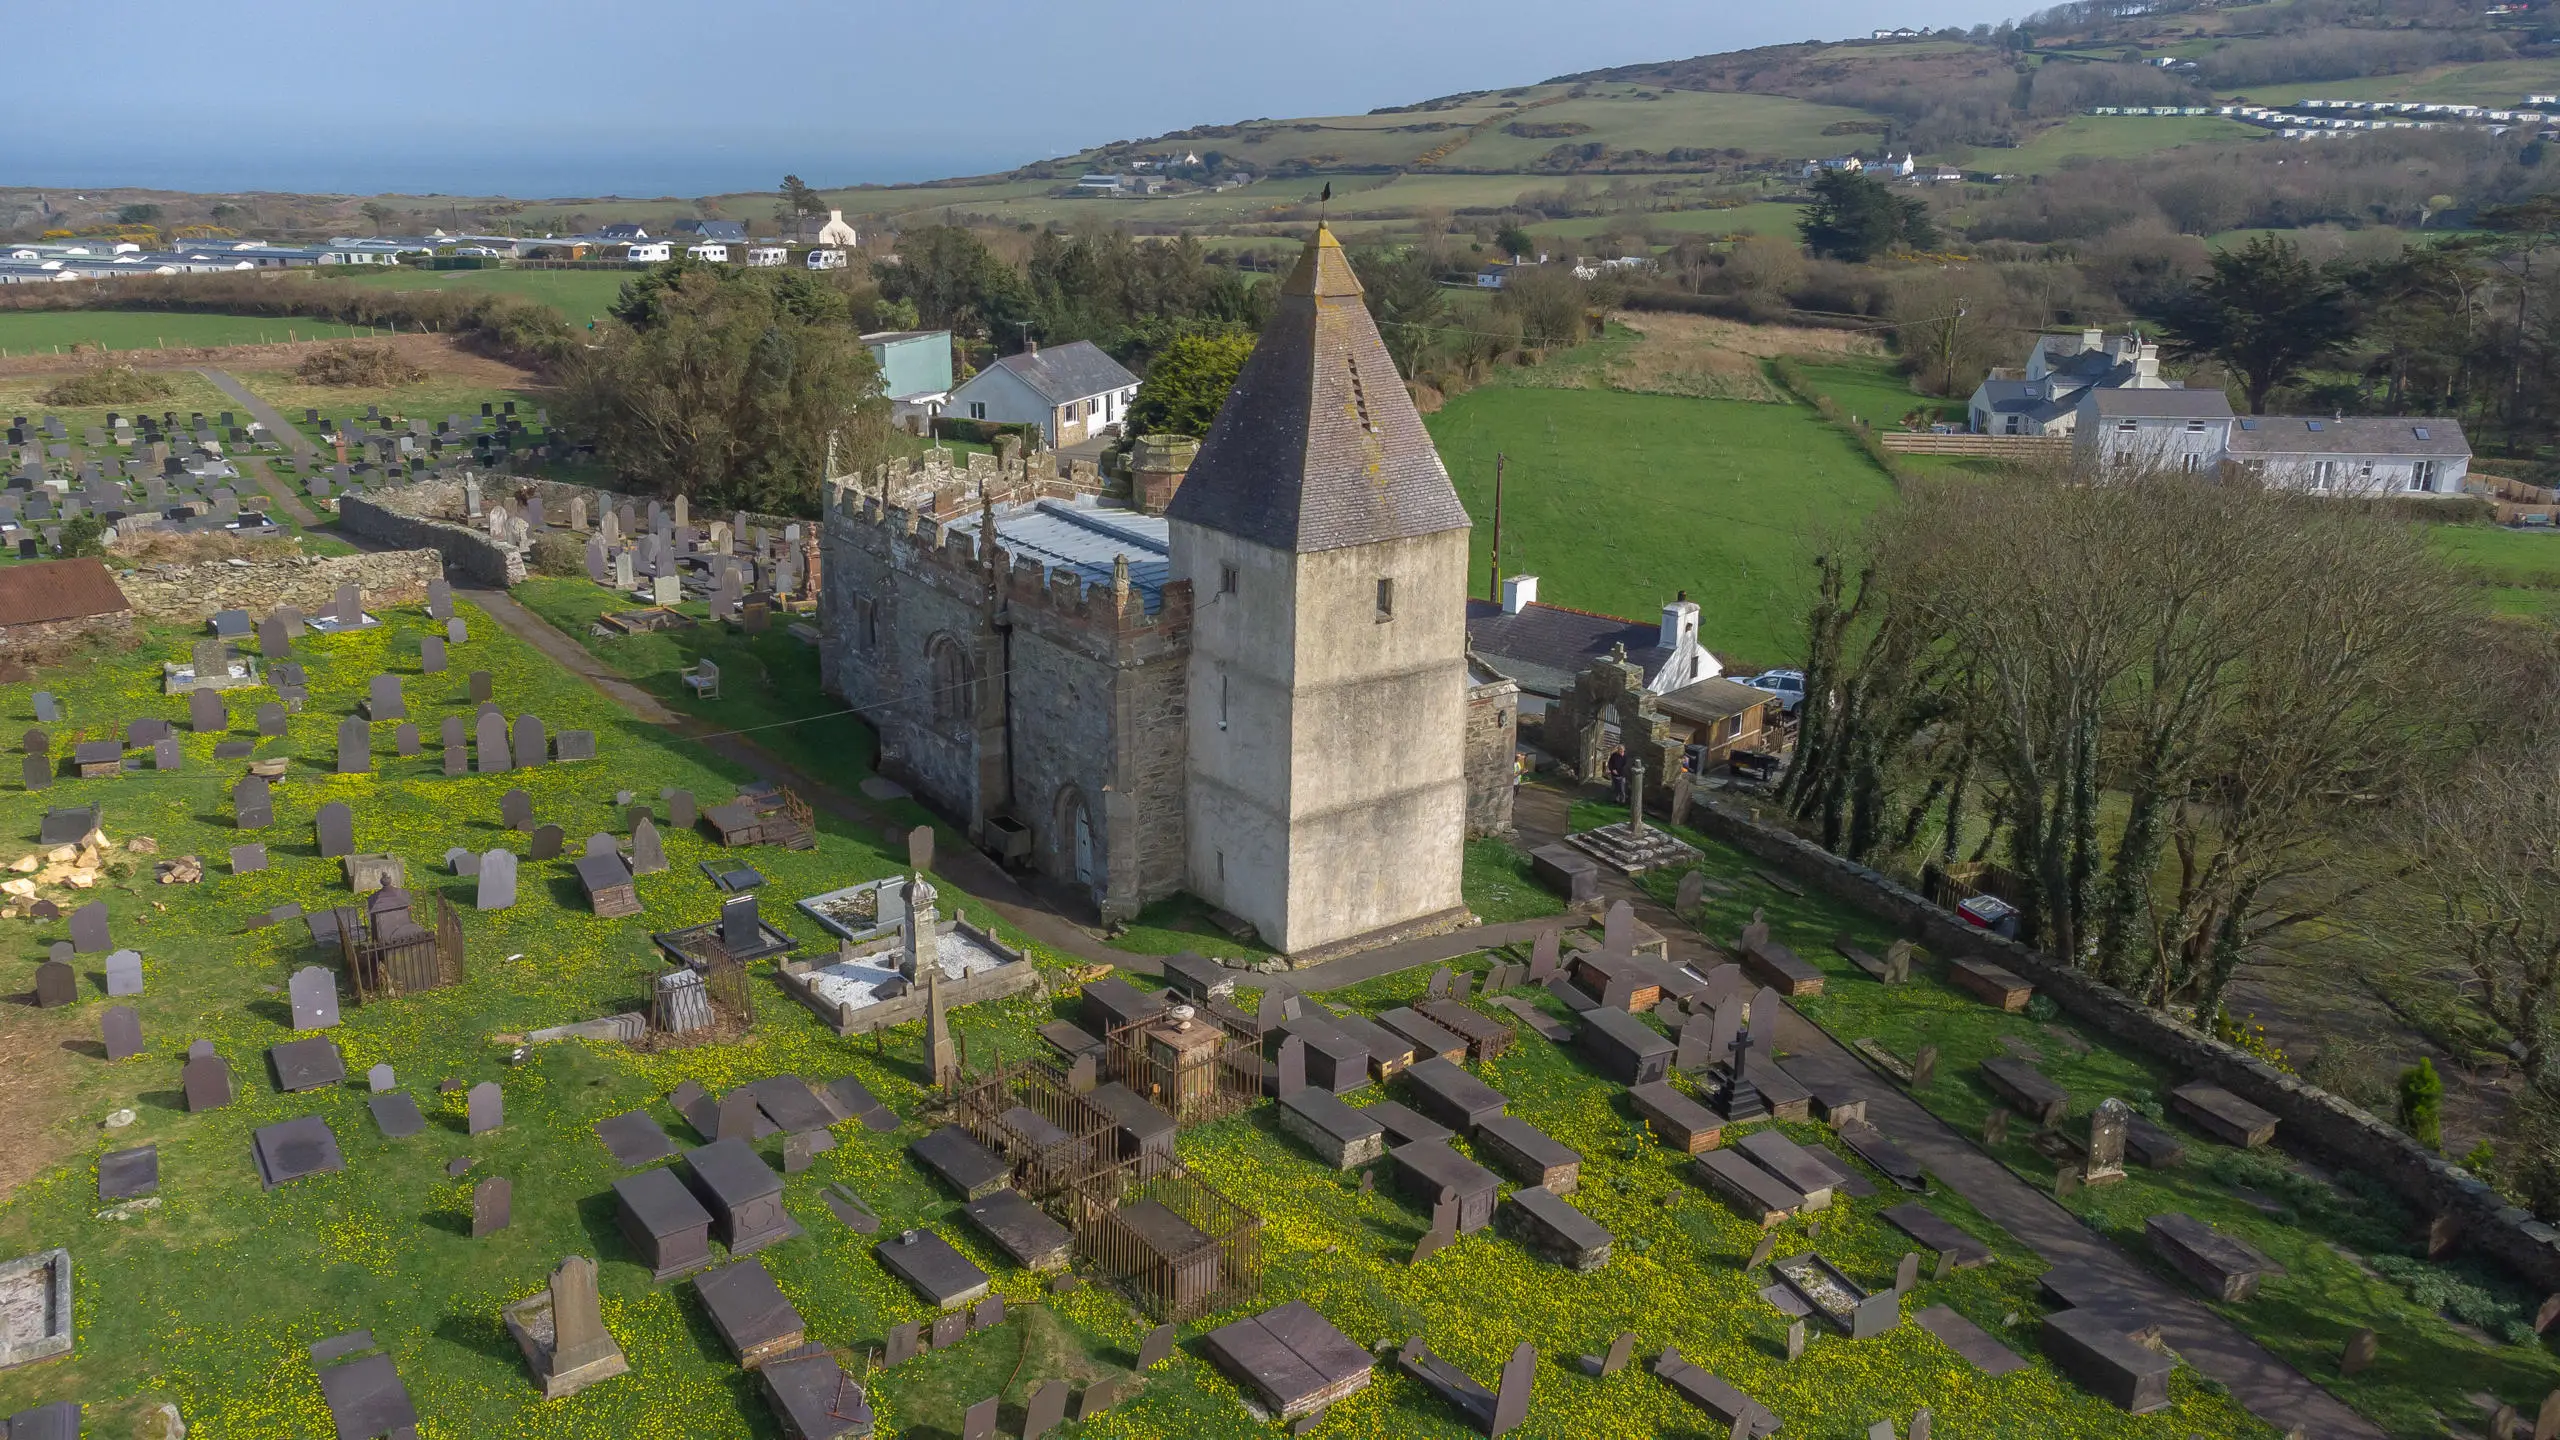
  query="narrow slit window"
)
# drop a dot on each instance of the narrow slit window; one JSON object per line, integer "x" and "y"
{"x": 1227, "y": 579}
{"x": 1386, "y": 599}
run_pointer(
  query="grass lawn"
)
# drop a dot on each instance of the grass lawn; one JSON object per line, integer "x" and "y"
{"x": 582, "y": 295}
{"x": 2499, "y": 555}
{"x": 1760, "y": 217}
{"x": 33, "y": 332}
{"x": 2330, "y": 1235}
{"x": 189, "y": 393}
{"x": 1618, "y": 501}
{"x": 1872, "y": 388}
{"x": 1644, "y": 117}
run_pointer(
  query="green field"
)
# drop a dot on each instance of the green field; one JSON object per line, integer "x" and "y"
{"x": 582, "y": 295}
{"x": 34, "y": 332}
{"x": 1770, "y": 218}
{"x": 1668, "y": 120}
{"x": 2499, "y": 84}
{"x": 1618, "y": 501}
{"x": 1873, "y": 390}
{"x": 2111, "y": 137}
{"x": 2497, "y": 555}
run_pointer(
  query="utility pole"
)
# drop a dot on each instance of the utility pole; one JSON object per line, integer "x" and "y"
{"x": 1496, "y": 578}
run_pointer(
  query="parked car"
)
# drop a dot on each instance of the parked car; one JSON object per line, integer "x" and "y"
{"x": 1787, "y": 685}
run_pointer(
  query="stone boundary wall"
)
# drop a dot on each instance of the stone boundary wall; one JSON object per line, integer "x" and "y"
{"x": 306, "y": 582}
{"x": 468, "y": 555}
{"x": 2314, "y": 1122}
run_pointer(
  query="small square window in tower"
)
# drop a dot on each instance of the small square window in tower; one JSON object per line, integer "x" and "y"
{"x": 1386, "y": 599}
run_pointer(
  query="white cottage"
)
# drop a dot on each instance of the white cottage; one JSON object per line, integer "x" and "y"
{"x": 1072, "y": 392}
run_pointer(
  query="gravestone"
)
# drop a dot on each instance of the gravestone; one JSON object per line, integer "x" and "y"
{"x": 379, "y": 1079}
{"x": 1292, "y": 1068}
{"x": 439, "y": 600}
{"x": 89, "y": 929}
{"x": 431, "y": 655}
{"x": 1906, "y": 1274}
{"x": 315, "y": 998}
{"x": 457, "y": 631}
{"x": 1761, "y": 1252}
{"x": 1897, "y": 962}
{"x": 481, "y": 686}
{"x": 209, "y": 661}
{"x": 492, "y": 1206}
{"x": 920, "y": 848}
{"x": 1995, "y": 1126}
{"x": 680, "y": 811}
{"x": 1157, "y": 1348}
{"x": 574, "y": 745}
{"x": 1924, "y": 1066}
{"x": 336, "y": 825}
{"x": 648, "y": 853}
{"x": 121, "y": 1030}
{"x": 271, "y": 720}
{"x": 987, "y": 1314}
{"x": 206, "y": 712}
{"x": 165, "y": 754}
{"x": 597, "y": 570}
{"x": 515, "y": 810}
{"x": 456, "y": 762}
{"x": 546, "y": 842}
{"x": 124, "y": 973}
{"x": 248, "y": 858}
{"x": 1795, "y": 1340}
{"x": 274, "y": 642}
{"x": 602, "y": 844}
{"x": 2105, "y": 1160}
{"x": 48, "y": 709}
{"x": 1542, "y": 957}
{"x": 207, "y": 1081}
{"x": 36, "y": 771}
{"x": 949, "y": 1330}
{"x": 497, "y": 880}
{"x": 979, "y": 1423}
{"x": 383, "y": 700}
{"x": 485, "y": 1107}
{"x": 348, "y": 610}
{"x": 2361, "y": 1349}
{"x": 405, "y": 740}
{"x": 491, "y": 740}
{"x": 1046, "y": 1410}
{"x": 355, "y": 746}
{"x": 533, "y": 745}
{"x": 1919, "y": 1424}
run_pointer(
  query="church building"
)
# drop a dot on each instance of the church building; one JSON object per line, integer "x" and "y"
{"x": 1262, "y": 696}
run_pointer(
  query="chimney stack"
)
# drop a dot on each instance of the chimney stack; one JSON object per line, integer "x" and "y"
{"x": 1519, "y": 593}
{"x": 1679, "y": 622}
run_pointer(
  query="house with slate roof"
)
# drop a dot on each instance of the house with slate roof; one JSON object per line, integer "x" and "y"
{"x": 1544, "y": 647}
{"x": 1072, "y": 392}
{"x": 2061, "y": 371}
{"x": 2195, "y": 431}
{"x": 1262, "y": 696}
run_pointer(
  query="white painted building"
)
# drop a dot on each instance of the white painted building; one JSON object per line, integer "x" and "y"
{"x": 1072, "y": 392}
{"x": 836, "y": 234}
{"x": 2194, "y": 430}
{"x": 2060, "y": 370}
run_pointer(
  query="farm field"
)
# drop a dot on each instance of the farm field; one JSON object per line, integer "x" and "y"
{"x": 1772, "y": 218}
{"x": 2496, "y": 83}
{"x": 1617, "y": 501}
{"x": 1633, "y": 117}
{"x": 31, "y": 332}
{"x": 2111, "y": 137}
{"x": 582, "y": 295}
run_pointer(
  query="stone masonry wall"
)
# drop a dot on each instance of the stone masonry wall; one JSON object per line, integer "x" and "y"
{"x": 1493, "y": 725}
{"x": 2314, "y": 1122}
{"x": 306, "y": 582}
{"x": 409, "y": 521}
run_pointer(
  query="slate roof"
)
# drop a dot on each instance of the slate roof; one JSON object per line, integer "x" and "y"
{"x": 2354, "y": 435}
{"x": 2118, "y": 404}
{"x": 1318, "y": 446}
{"x": 2025, "y": 397}
{"x": 58, "y": 590}
{"x": 713, "y": 229}
{"x": 1067, "y": 372}
{"x": 1545, "y": 646}
{"x": 1707, "y": 701}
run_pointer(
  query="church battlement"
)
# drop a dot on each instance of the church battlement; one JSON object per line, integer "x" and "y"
{"x": 935, "y": 548}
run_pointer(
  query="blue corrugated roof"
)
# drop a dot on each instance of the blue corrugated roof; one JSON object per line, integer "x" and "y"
{"x": 1086, "y": 538}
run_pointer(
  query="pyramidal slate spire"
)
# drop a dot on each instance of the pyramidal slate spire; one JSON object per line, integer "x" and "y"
{"x": 1318, "y": 447}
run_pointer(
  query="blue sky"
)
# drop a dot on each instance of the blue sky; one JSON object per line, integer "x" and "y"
{"x": 653, "y": 97}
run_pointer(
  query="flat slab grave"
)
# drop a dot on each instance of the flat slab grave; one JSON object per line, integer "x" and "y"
{"x": 1403, "y": 1125}
{"x": 1446, "y": 1093}
{"x": 1291, "y": 1359}
{"x": 1848, "y": 1182}
{"x": 35, "y": 1308}
{"x": 2222, "y": 1266}
{"x": 1344, "y": 1137}
{"x": 1427, "y": 1038}
{"x": 1937, "y": 1233}
{"x": 2026, "y": 1089}
{"x": 296, "y": 1149}
{"x": 128, "y": 1174}
{"x": 2224, "y": 1116}
{"x": 1876, "y": 1148}
{"x": 1792, "y": 1164}
{"x": 1969, "y": 1340}
{"x": 308, "y": 1064}
{"x": 1733, "y": 1412}
{"x": 366, "y": 1398}
{"x": 930, "y": 1267}
{"x": 962, "y": 1163}
{"x": 395, "y": 1114}
{"x": 750, "y": 1312}
{"x": 1021, "y": 1230}
{"x": 1552, "y": 1229}
{"x": 634, "y": 1139}
{"x": 1993, "y": 985}
{"x": 1754, "y": 1193}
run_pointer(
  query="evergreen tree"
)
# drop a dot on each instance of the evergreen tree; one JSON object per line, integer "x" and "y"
{"x": 1855, "y": 218}
{"x": 2422, "y": 1103}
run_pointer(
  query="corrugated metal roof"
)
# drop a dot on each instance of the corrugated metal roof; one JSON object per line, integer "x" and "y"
{"x": 58, "y": 590}
{"x": 1318, "y": 447}
{"x": 1086, "y": 539}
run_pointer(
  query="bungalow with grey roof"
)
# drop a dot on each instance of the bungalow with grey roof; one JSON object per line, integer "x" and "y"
{"x": 1072, "y": 392}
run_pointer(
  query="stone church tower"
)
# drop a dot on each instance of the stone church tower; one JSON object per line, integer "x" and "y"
{"x": 1327, "y": 558}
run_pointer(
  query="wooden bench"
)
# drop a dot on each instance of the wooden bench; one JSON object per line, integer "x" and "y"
{"x": 1991, "y": 984}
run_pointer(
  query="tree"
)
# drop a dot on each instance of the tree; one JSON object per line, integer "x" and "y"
{"x": 956, "y": 282}
{"x": 728, "y": 386}
{"x": 1856, "y": 217}
{"x": 2266, "y": 313}
{"x": 138, "y": 215}
{"x": 376, "y": 214}
{"x": 1401, "y": 285}
{"x": 2422, "y": 1103}
{"x": 799, "y": 202}
{"x": 82, "y": 534}
{"x": 1187, "y": 384}
{"x": 1516, "y": 243}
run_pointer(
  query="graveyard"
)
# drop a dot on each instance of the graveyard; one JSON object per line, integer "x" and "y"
{"x": 323, "y": 1085}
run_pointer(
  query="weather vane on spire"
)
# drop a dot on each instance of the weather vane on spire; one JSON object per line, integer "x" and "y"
{"x": 1323, "y": 198}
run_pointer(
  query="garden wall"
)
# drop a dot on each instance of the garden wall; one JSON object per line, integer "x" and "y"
{"x": 306, "y": 582}
{"x": 2314, "y": 1122}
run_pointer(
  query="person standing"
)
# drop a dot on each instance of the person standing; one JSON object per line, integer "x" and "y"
{"x": 1617, "y": 769}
